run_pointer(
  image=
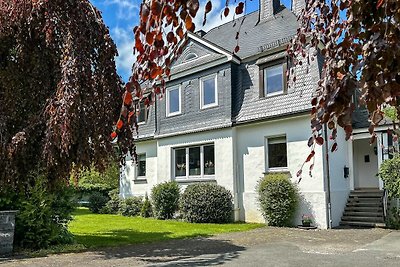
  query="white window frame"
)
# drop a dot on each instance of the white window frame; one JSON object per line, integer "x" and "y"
{"x": 145, "y": 113}
{"x": 202, "y": 79}
{"x": 275, "y": 169}
{"x": 179, "y": 88}
{"x": 137, "y": 167}
{"x": 265, "y": 83}
{"x": 187, "y": 177}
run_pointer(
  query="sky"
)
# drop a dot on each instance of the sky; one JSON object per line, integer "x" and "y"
{"x": 121, "y": 16}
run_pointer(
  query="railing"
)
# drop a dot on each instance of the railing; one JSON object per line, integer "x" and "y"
{"x": 385, "y": 204}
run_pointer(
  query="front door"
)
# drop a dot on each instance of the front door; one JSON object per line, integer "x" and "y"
{"x": 365, "y": 164}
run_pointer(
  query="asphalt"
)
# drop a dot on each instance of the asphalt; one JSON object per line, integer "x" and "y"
{"x": 260, "y": 247}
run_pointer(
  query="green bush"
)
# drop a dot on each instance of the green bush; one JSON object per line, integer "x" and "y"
{"x": 131, "y": 206}
{"x": 206, "y": 203}
{"x": 114, "y": 203}
{"x": 278, "y": 198}
{"x": 44, "y": 212}
{"x": 97, "y": 202}
{"x": 146, "y": 210}
{"x": 389, "y": 172}
{"x": 165, "y": 198}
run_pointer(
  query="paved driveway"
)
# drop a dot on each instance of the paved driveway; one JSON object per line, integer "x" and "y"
{"x": 260, "y": 247}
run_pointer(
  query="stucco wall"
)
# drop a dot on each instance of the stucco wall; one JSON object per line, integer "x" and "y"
{"x": 251, "y": 161}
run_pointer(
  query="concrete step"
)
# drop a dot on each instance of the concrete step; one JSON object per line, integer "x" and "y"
{"x": 363, "y": 209}
{"x": 363, "y": 204}
{"x": 362, "y": 224}
{"x": 362, "y": 214}
{"x": 362, "y": 196}
{"x": 365, "y": 199}
{"x": 362, "y": 219}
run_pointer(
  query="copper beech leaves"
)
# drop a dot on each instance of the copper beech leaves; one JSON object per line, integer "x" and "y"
{"x": 71, "y": 97}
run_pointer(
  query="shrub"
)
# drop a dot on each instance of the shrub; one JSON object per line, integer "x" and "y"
{"x": 278, "y": 198}
{"x": 97, "y": 202}
{"x": 131, "y": 206}
{"x": 206, "y": 203}
{"x": 114, "y": 204}
{"x": 389, "y": 172}
{"x": 165, "y": 198}
{"x": 44, "y": 213}
{"x": 146, "y": 210}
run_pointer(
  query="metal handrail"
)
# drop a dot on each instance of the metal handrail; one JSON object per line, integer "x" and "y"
{"x": 385, "y": 203}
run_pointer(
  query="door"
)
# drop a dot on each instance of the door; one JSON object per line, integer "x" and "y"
{"x": 365, "y": 164}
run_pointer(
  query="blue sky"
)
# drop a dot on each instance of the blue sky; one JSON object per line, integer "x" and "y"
{"x": 122, "y": 15}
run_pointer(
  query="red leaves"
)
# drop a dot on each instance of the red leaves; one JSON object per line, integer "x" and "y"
{"x": 120, "y": 124}
{"x": 319, "y": 140}
{"x": 193, "y": 6}
{"x": 113, "y": 135}
{"x": 239, "y": 9}
{"x": 208, "y": 7}
{"x": 379, "y": 3}
{"x": 226, "y": 11}
{"x": 127, "y": 98}
{"x": 189, "y": 24}
{"x": 334, "y": 147}
{"x": 310, "y": 156}
{"x": 237, "y": 48}
{"x": 150, "y": 38}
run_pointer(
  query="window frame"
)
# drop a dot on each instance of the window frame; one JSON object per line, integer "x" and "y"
{"x": 187, "y": 176}
{"x": 167, "y": 111}
{"x": 202, "y": 79}
{"x": 266, "y": 146}
{"x": 145, "y": 113}
{"x": 262, "y": 70}
{"x": 137, "y": 176}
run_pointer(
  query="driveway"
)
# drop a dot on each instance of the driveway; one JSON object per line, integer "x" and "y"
{"x": 260, "y": 247}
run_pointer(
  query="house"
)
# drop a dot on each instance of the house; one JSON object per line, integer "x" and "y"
{"x": 230, "y": 118}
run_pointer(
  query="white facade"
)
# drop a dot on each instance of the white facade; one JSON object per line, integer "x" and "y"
{"x": 240, "y": 162}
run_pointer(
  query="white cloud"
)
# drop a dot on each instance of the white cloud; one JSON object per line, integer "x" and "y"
{"x": 126, "y": 9}
{"x": 214, "y": 18}
{"x": 125, "y": 42}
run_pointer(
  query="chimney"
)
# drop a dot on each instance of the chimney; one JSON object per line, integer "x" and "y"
{"x": 298, "y": 6}
{"x": 268, "y": 8}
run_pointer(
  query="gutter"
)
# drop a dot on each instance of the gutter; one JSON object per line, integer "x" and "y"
{"x": 328, "y": 181}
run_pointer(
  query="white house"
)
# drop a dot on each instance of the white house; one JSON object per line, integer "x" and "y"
{"x": 230, "y": 118}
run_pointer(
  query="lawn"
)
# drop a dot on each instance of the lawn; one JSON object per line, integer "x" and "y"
{"x": 104, "y": 230}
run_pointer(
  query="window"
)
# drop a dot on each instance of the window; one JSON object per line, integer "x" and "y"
{"x": 194, "y": 161}
{"x": 208, "y": 92}
{"x": 142, "y": 112}
{"x": 141, "y": 165}
{"x": 173, "y": 101}
{"x": 276, "y": 152}
{"x": 273, "y": 80}
{"x": 190, "y": 56}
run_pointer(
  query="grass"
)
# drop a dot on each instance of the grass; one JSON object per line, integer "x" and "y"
{"x": 105, "y": 230}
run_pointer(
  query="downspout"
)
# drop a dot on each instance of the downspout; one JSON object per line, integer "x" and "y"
{"x": 236, "y": 182}
{"x": 328, "y": 180}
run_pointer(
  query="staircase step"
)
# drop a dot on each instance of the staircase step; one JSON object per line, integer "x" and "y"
{"x": 362, "y": 214}
{"x": 365, "y": 199}
{"x": 362, "y": 219}
{"x": 364, "y": 204}
{"x": 363, "y": 209}
{"x": 362, "y": 224}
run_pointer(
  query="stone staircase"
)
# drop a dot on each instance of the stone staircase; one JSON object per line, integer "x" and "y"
{"x": 364, "y": 209}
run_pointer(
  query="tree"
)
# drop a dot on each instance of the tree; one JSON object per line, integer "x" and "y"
{"x": 360, "y": 40}
{"x": 59, "y": 90}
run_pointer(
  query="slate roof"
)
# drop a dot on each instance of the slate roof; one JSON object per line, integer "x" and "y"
{"x": 253, "y": 35}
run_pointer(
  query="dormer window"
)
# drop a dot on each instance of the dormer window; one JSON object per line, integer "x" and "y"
{"x": 208, "y": 92}
{"x": 272, "y": 80}
{"x": 173, "y": 101}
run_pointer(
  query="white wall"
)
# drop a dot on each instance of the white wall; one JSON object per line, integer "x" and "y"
{"x": 251, "y": 161}
{"x": 129, "y": 185}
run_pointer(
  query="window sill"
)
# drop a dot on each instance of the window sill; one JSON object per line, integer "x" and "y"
{"x": 208, "y": 106}
{"x": 140, "y": 180}
{"x": 276, "y": 170}
{"x": 273, "y": 95}
{"x": 195, "y": 180}
{"x": 173, "y": 114}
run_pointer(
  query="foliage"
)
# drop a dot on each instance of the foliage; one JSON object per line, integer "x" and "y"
{"x": 59, "y": 90}
{"x": 146, "y": 210}
{"x": 393, "y": 220}
{"x": 278, "y": 198}
{"x": 113, "y": 205}
{"x": 165, "y": 199}
{"x": 104, "y": 230}
{"x": 361, "y": 56}
{"x": 43, "y": 215}
{"x": 206, "y": 203}
{"x": 131, "y": 206}
{"x": 97, "y": 202}
{"x": 90, "y": 179}
{"x": 389, "y": 172}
